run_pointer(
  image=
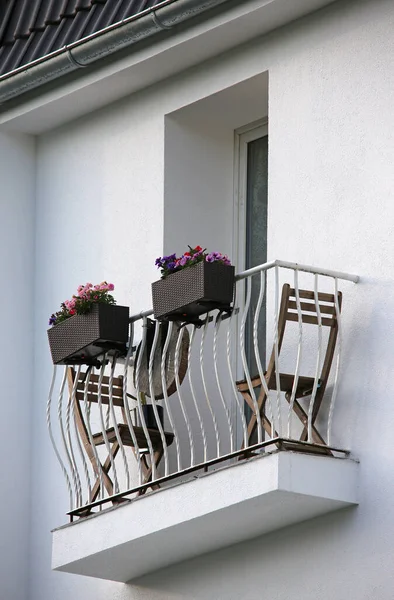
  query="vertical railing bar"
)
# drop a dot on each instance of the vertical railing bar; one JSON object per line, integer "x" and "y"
{"x": 299, "y": 355}
{"x": 166, "y": 401}
{"x": 71, "y": 400}
{"x": 114, "y": 420}
{"x": 244, "y": 361}
{"x": 238, "y": 402}
{"x": 204, "y": 383}
{"x": 256, "y": 348}
{"x": 178, "y": 387}
{"x": 107, "y": 414}
{"x": 103, "y": 425}
{"x": 127, "y": 406}
{"x": 86, "y": 404}
{"x": 200, "y": 420}
{"x": 51, "y": 436}
{"x": 318, "y": 358}
{"x": 138, "y": 395}
{"x": 62, "y": 431}
{"x": 152, "y": 392}
{"x": 276, "y": 351}
{"x": 338, "y": 359}
{"x": 215, "y": 363}
{"x": 81, "y": 450}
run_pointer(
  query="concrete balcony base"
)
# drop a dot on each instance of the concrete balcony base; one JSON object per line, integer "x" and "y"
{"x": 216, "y": 510}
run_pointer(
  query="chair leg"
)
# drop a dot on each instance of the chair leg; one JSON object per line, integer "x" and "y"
{"x": 108, "y": 484}
{"x": 302, "y": 415}
{"x": 148, "y": 470}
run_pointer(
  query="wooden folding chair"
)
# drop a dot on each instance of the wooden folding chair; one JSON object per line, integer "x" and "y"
{"x": 98, "y": 439}
{"x": 288, "y": 312}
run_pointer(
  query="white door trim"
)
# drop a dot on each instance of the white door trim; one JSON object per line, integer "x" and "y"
{"x": 243, "y": 136}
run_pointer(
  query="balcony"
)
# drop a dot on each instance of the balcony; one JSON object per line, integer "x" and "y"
{"x": 208, "y": 434}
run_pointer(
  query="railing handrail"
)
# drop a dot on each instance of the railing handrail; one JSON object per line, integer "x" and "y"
{"x": 270, "y": 265}
{"x": 297, "y": 267}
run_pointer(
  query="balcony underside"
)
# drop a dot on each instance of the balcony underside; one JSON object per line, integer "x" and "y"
{"x": 218, "y": 509}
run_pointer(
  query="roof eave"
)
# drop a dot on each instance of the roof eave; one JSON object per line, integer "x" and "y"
{"x": 88, "y": 51}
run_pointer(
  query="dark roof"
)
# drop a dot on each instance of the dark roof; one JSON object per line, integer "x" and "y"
{"x": 30, "y": 29}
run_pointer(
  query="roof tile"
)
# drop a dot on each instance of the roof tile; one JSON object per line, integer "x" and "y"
{"x": 30, "y": 29}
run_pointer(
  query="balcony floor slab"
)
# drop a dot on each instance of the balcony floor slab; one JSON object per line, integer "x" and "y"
{"x": 218, "y": 509}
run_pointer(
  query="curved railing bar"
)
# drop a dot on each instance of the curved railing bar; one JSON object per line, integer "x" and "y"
{"x": 178, "y": 387}
{"x": 257, "y": 352}
{"x": 204, "y": 383}
{"x": 127, "y": 405}
{"x": 166, "y": 401}
{"x": 299, "y": 355}
{"x": 62, "y": 430}
{"x": 152, "y": 392}
{"x": 80, "y": 448}
{"x": 103, "y": 424}
{"x": 218, "y": 321}
{"x": 114, "y": 420}
{"x": 86, "y": 405}
{"x": 245, "y": 363}
{"x": 200, "y": 419}
{"x": 138, "y": 395}
{"x": 70, "y": 403}
{"x": 276, "y": 351}
{"x": 239, "y": 403}
{"x": 318, "y": 358}
{"x": 54, "y": 446}
{"x": 338, "y": 361}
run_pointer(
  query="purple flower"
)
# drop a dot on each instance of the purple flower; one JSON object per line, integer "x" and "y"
{"x": 169, "y": 259}
{"x": 158, "y": 262}
{"x": 171, "y": 266}
{"x": 184, "y": 260}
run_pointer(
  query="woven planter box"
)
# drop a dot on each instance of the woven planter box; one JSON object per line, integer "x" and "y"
{"x": 81, "y": 338}
{"x": 186, "y": 294}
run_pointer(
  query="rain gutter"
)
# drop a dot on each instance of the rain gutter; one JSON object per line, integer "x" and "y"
{"x": 86, "y": 52}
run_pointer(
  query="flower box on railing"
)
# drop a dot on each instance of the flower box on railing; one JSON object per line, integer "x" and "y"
{"x": 81, "y": 338}
{"x": 186, "y": 294}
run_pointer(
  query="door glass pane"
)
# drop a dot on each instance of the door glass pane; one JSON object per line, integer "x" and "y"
{"x": 256, "y": 238}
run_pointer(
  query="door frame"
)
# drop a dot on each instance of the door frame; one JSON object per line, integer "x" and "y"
{"x": 242, "y": 137}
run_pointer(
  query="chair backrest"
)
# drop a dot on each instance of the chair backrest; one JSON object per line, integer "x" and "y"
{"x": 92, "y": 395}
{"x": 309, "y": 314}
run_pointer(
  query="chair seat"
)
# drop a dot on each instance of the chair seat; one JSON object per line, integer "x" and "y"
{"x": 127, "y": 439}
{"x": 304, "y": 384}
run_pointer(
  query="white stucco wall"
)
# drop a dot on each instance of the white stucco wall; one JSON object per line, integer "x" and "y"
{"x": 17, "y": 193}
{"x": 100, "y": 214}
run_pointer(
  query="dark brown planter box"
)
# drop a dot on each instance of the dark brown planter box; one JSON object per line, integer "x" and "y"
{"x": 186, "y": 294}
{"x": 81, "y": 338}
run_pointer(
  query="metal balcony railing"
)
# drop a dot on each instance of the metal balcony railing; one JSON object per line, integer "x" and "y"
{"x": 264, "y": 376}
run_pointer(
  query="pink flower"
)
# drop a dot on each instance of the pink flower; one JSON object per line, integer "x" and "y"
{"x": 111, "y": 287}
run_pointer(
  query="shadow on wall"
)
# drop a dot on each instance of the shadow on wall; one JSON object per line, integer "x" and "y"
{"x": 314, "y": 557}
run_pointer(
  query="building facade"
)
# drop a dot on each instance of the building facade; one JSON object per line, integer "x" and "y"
{"x": 142, "y": 155}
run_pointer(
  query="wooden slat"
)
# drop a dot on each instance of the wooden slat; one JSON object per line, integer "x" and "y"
{"x": 308, "y": 306}
{"x": 104, "y": 399}
{"x": 93, "y": 387}
{"x": 309, "y": 295}
{"x": 117, "y": 381}
{"x": 304, "y": 384}
{"x": 139, "y": 434}
{"x": 311, "y": 320}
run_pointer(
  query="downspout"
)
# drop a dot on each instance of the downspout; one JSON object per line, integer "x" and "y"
{"x": 86, "y": 52}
